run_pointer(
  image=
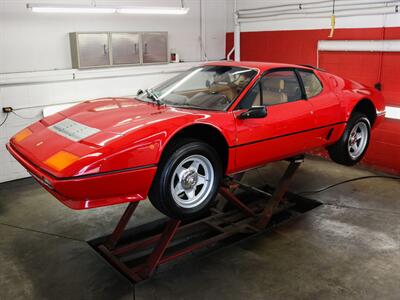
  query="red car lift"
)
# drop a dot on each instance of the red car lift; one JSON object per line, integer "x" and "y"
{"x": 172, "y": 242}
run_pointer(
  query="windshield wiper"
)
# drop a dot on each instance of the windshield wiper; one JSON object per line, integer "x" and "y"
{"x": 186, "y": 105}
{"x": 153, "y": 96}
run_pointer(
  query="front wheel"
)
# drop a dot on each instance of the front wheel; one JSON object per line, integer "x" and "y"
{"x": 353, "y": 144}
{"x": 187, "y": 180}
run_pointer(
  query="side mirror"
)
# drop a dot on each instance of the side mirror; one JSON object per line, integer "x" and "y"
{"x": 139, "y": 92}
{"x": 255, "y": 112}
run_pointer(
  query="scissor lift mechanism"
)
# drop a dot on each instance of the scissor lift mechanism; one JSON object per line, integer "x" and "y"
{"x": 174, "y": 240}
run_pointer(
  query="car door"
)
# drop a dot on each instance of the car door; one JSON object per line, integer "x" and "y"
{"x": 286, "y": 129}
{"x": 326, "y": 106}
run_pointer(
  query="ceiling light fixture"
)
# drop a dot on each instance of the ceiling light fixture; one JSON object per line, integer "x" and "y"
{"x": 51, "y": 8}
{"x": 153, "y": 10}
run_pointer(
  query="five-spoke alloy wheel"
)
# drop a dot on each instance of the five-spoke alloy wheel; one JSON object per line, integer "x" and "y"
{"x": 353, "y": 144}
{"x": 358, "y": 139}
{"x": 187, "y": 180}
{"x": 192, "y": 181}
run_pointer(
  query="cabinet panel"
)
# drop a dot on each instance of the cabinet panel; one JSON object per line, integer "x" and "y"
{"x": 106, "y": 49}
{"x": 125, "y": 48}
{"x": 155, "y": 47}
{"x": 93, "y": 49}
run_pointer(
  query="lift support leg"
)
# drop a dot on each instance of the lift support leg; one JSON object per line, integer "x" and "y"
{"x": 279, "y": 193}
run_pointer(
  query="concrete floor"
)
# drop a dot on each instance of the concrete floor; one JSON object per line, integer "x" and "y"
{"x": 348, "y": 248}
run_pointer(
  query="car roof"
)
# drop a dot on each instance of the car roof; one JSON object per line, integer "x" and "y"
{"x": 262, "y": 66}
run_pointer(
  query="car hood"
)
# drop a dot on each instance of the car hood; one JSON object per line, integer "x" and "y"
{"x": 119, "y": 115}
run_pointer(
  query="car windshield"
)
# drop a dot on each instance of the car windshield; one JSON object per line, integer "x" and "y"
{"x": 206, "y": 87}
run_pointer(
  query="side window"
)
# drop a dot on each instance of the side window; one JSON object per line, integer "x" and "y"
{"x": 312, "y": 85}
{"x": 252, "y": 98}
{"x": 280, "y": 87}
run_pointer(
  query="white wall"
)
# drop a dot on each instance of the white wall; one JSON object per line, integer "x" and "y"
{"x": 33, "y": 41}
{"x": 371, "y": 21}
{"x": 35, "y": 64}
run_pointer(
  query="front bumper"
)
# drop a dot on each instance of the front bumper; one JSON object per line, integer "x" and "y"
{"x": 90, "y": 191}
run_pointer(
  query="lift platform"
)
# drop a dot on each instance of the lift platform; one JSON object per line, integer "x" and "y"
{"x": 231, "y": 217}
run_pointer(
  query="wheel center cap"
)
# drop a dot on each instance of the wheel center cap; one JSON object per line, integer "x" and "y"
{"x": 189, "y": 179}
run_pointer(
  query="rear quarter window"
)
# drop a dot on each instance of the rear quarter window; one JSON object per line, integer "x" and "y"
{"x": 312, "y": 85}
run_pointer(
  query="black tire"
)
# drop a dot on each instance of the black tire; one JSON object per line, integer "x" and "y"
{"x": 340, "y": 152}
{"x": 161, "y": 194}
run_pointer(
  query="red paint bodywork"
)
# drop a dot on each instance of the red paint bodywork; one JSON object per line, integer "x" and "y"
{"x": 301, "y": 47}
{"x": 118, "y": 163}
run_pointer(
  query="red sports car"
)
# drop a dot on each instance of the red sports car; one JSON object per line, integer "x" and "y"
{"x": 174, "y": 143}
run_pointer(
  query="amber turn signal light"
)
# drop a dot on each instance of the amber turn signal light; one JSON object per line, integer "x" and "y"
{"x": 23, "y": 134}
{"x": 61, "y": 160}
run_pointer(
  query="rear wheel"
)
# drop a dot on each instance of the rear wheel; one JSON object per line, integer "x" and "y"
{"x": 187, "y": 180}
{"x": 353, "y": 144}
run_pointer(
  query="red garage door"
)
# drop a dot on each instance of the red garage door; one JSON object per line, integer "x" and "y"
{"x": 370, "y": 68}
{"x": 390, "y": 78}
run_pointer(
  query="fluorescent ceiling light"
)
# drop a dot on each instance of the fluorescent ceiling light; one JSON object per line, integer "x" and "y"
{"x": 154, "y": 10}
{"x": 51, "y": 8}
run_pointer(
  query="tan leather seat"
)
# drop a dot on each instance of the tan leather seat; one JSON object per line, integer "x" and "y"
{"x": 273, "y": 91}
{"x": 227, "y": 90}
{"x": 223, "y": 85}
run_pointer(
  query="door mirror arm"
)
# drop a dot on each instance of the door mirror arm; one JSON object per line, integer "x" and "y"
{"x": 255, "y": 112}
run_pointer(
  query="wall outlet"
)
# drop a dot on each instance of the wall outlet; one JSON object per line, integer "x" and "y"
{"x": 7, "y": 109}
